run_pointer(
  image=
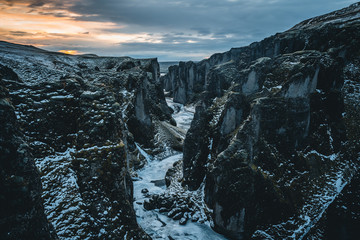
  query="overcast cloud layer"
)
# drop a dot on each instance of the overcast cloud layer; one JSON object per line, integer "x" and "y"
{"x": 169, "y": 30}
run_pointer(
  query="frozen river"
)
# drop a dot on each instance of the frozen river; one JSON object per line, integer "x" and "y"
{"x": 156, "y": 224}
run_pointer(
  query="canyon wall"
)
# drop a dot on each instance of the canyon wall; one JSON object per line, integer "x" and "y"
{"x": 274, "y": 136}
{"x": 22, "y": 210}
{"x": 80, "y": 118}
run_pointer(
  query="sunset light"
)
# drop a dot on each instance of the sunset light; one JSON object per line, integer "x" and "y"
{"x": 71, "y": 52}
{"x": 179, "y": 119}
{"x": 49, "y": 27}
{"x": 146, "y": 29}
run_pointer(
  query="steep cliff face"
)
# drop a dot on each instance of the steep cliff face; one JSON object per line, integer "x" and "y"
{"x": 308, "y": 35}
{"x": 81, "y": 116}
{"x": 275, "y": 137}
{"x": 184, "y": 81}
{"x": 342, "y": 218}
{"x": 22, "y": 211}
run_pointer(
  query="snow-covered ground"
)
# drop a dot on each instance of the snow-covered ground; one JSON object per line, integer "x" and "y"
{"x": 183, "y": 115}
{"x": 156, "y": 224}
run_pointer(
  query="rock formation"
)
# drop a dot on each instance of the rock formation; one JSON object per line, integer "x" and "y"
{"x": 275, "y": 136}
{"x": 273, "y": 148}
{"x": 22, "y": 211}
{"x": 81, "y": 117}
{"x": 188, "y": 79}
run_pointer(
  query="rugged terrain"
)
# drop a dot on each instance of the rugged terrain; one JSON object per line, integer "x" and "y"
{"x": 273, "y": 149}
{"x": 275, "y": 137}
{"x": 22, "y": 210}
{"x": 81, "y": 119}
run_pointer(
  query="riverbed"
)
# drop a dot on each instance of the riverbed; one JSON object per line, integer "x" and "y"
{"x": 156, "y": 224}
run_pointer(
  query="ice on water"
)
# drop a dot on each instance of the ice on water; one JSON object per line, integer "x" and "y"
{"x": 152, "y": 221}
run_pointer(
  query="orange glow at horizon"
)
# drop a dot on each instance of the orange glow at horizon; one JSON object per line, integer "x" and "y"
{"x": 71, "y": 52}
{"x": 47, "y": 26}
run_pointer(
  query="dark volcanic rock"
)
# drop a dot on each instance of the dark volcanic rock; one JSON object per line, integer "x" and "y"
{"x": 82, "y": 130}
{"x": 183, "y": 221}
{"x": 8, "y": 73}
{"x": 276, "y": 134}
{"x": 325, "y": 33}
{"x": 21, "y": 207}
{"x": 171, "y": 173}
{"x": 342, "y": 218}
{"x": 183, "y": 81}
{"x": 196, "y": 149}
{"x": 178, "y": 216}
{"x": 127, "y": 65}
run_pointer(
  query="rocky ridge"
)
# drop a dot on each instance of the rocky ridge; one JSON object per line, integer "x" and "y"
{"x": 22, "y": 210}
{"x": 275, "y": 133}
{"x": 188, "y": 79}
{"x": 85, "y": 118}
{"x": 272, "y": 149}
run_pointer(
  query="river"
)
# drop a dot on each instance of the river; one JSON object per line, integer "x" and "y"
{"x": 156, "y": 224}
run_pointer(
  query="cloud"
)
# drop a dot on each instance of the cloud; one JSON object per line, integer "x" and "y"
{"x": 172, "y": 29}
{"x": 201, "y": 30}
{"x": 37, "y": 3}
{"x": 20, "y": 33}
{"x": 258, "y": 18}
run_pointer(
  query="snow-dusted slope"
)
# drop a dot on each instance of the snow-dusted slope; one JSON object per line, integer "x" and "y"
{"x": 81, "y": 115}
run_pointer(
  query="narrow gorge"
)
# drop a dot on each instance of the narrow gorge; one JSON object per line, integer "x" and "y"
{"x": 275, "y": 132}
{"x": 259, "y": 142}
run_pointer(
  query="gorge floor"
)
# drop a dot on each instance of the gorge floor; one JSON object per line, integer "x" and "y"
{"x": 157, "y": 224}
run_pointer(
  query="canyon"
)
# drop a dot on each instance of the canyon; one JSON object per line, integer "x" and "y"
{"x": 259, "y": 142}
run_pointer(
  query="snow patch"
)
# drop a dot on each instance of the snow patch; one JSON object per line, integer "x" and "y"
{"x": 144, "y": 154}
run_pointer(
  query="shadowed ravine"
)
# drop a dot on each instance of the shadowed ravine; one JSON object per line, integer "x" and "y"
{"x": 259, "y": 142}
{"x": 156, "y": 224}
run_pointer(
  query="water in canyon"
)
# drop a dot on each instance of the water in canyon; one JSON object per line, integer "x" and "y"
{"x": 156, "y": 224}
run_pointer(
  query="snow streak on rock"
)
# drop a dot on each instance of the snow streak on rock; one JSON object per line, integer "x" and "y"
{"x": 61, "y": 194}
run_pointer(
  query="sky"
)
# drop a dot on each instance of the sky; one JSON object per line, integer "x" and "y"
{"x": 170, "y": 30}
